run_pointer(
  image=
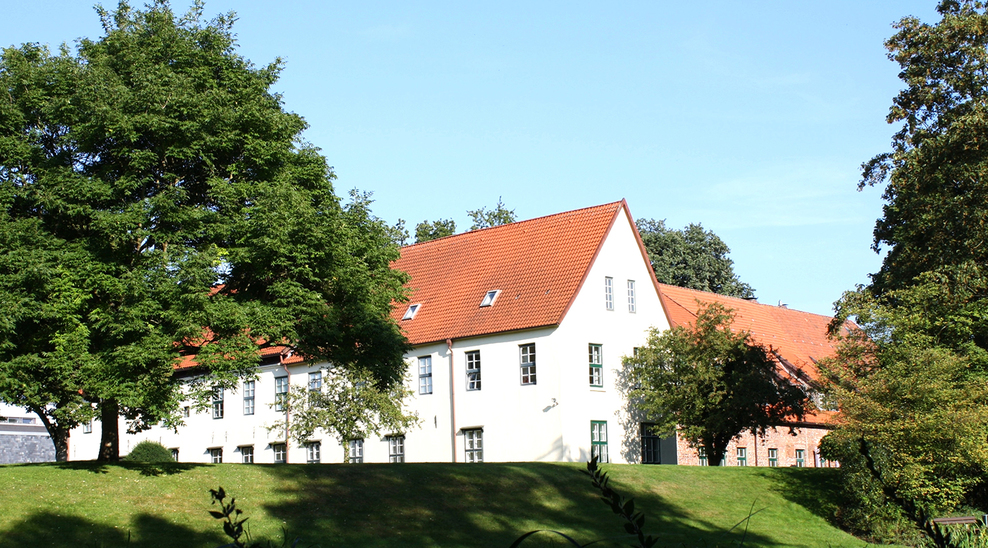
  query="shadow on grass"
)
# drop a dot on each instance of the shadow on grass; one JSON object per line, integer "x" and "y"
{"x": 816, "y": 489}
{"x": 46, "y": 529}
{"x": 144, "y": 468}
{"x": 447, "y": 505}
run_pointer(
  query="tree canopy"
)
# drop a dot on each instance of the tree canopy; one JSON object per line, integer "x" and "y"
{"x": 911, "y": 388}
{"x": 693, "y": 257}
{"x": 484, "y": 218}
{"x": 151, "y": 185}
{"x": 711, "y": 383}
{"x": 426, "y": 231}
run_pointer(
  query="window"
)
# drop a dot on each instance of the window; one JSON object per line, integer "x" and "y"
{"x": 218, "y": 403}
{"x": 412, "y": 310}
{"x": 596, "y": 365}
{"x": 527, "y": 363}
{"x": 312, "y": 450}
{"x": 280, "y": 393}
{"x": 425, "y": 375}
{"x": 396, "y": 448}
{"x": 175, "y": 454}
{"x": 216, "y": 455}
{"x": 87, "y": 427}
{"x": 185, "y": 411}
{"x": 315, "y": 381}
{"x": 702, "y": 454}
{"x": 609, "y": 293}
{"x": 355, "y": 451}
{"x": 247, "y": 454}
{"x": 742, "y": 456}
{"x": 473, "y": 370}
{"x": 280, "y": 452}
{"x": 773, "y": 457}
{"x": 248, "y": 397}
{"x": 473, "y": 443}
{"x": 598, "y": 440}
{"x": 631, "y": 296}
{"x": 651, "y": 453}
{"x": 800, "y": 458}
{"x": 490, "y": 297}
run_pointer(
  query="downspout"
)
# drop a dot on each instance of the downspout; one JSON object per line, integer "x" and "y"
{"x": 452, "y": 402}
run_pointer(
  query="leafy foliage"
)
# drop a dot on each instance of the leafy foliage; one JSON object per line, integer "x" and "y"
{"x": 693, "y": 257}
{"x": 150, "y": 451}
{"x": 912, "y": 436}
{"x": 484, "y": 218}
{"x": 151, "y": 185}
{"x": 426, "y": 231}
{"x": 712, "y": 383}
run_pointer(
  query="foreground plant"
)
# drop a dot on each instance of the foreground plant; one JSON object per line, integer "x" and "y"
{"x": 235, "y": 526}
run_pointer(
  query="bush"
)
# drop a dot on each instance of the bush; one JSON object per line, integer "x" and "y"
{"x": 150, "y": 451}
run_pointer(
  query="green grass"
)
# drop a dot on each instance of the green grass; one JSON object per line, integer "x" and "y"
{"x": 413, "y": 505}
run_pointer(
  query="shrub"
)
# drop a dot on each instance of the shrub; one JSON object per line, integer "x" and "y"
{"x": 150, "y": 451}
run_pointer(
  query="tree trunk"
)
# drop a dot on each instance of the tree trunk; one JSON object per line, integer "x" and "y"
{"x": 109, "y": 446}
{"x": 716, "y": 448}
{"x": 59, "y": 436}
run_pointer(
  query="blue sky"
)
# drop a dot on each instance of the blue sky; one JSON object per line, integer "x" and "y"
{"x": 750, "y": 118}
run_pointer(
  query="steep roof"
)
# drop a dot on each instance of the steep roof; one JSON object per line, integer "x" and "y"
{"x": 795, "y": 337}
{"x": 537, "y": 265}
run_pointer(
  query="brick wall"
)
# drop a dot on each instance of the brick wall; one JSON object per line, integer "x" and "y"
{"x": 757, "y": 451}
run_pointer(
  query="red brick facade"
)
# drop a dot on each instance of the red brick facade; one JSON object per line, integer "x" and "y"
{"x": 757, "y": 450}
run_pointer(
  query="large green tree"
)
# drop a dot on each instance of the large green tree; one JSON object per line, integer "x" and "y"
{"x": 911, "y": 438}
{"x": 692, "y": 257}
{"x": 427, "y": 231}
{"x": 711, "y": 383}
{"x": 151, "y": 184}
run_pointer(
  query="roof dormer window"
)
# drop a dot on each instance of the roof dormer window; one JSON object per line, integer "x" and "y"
{"x": 490, "y": 297}
{"x": 410, "y": 313}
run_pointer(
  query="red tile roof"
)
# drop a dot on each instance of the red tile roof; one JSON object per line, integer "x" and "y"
{"x": 538, "y": 265}
{"x": 799, "y": 338}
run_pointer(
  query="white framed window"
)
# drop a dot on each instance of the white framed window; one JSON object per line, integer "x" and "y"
{"x": 773, "y": 457}
{"x": 280, "y": 452}
{"x": 312, "y": 452}
{"x": 631, "y": 296}
{"x": 247, "y": 454}
{"x": 174, "y": 451}
{"x": 527, "y": 362}
{"x": 280, "y": 393}
{"x": 473, "y": 369}
{"x": 701, "y": 453}
{"x": 598, "y": 440}
{"x": 742, "y": 456}
{"x": 396, "y": 448}
{"x": 315, "y": 381}
{"x": 596, "y": 365}
{"x": 87, "y": 427}
{"x": 608, "y": 293}
{"x": 355, "y": 451}
{"x": 216, "y": 455}
{"x": 411, "y": 311}
{"x": 800, "y": 458}
{"x": 218, "y": 403}
{"x": 490, "y": 297}
{"x": 425, "y": 375}
{"x": 248, "y": 397}
{"x": 473, "y": 443}
{"x": 185, "y": 411}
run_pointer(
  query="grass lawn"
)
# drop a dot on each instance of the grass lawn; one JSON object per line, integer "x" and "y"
{"x": 414, "y": 505}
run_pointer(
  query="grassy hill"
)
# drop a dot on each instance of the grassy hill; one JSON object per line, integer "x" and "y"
{"x": 413, "y": 505}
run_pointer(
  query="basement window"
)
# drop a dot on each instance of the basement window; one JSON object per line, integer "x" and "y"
{"x": 412, "y": 310}
{"x": 490, "y": 297}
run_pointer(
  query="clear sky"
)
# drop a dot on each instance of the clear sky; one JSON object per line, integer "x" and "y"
{"x": 750, "y": 118}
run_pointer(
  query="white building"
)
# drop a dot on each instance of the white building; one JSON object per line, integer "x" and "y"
{"x": 519, "y": 333}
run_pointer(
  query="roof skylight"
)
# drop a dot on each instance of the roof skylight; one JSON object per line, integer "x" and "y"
{"x": 412, "y": 310}
{"x": 490, "y": 297}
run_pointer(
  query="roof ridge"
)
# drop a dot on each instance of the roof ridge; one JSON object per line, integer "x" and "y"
{"x": 516, "y": 223}
{"x": 744, "y": 300}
